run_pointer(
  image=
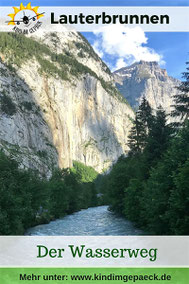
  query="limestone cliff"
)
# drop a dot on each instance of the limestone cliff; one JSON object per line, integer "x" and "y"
{"x": 149, "y": 80}
{"x": 58, "y": 103}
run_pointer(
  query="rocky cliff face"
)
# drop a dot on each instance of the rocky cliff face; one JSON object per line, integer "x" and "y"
{"x": 149, "y": 80}
{"x": 58, "y": 103}
{"x": 24, "y": 133}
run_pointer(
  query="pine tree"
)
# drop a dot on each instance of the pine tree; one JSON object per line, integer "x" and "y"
{"x": 158, "y": 137}
{"x": 145, "y": 114}
{"x": 181, "y": 100}
{"x": 139, "y": 132}
{"x": 136, "y": 137}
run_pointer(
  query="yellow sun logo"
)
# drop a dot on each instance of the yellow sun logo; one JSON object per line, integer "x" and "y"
{"x": 32, "y": 15}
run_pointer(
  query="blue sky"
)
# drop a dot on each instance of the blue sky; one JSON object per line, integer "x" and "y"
{"x": 172, "y": 47}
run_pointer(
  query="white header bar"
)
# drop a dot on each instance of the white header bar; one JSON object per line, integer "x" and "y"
{"x": 178, "y": 18}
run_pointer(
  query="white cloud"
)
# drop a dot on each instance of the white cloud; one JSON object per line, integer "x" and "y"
{"x": 97, "y": 49}
{"x": 120, "y": 63}
{"x": 124, "y": 44}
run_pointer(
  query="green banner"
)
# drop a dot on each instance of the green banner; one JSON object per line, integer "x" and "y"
{"x": 92, "y": 275}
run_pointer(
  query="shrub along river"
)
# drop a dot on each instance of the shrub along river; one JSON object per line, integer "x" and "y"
{"x": 95, "y": 221}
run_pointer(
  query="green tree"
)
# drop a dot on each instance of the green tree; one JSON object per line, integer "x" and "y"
{"x": 165, "y": 198}
{"x": 140, "y": 130}
{"x": 145, "y": 114}
{"x": 84, "y": 173}
{"x": 132, "y": 200}
{"x": 26, "y": 199}
{"x": 7, "y": 105}
{"x": 181, "y": 100}
{"x": 158, "y": 138}
{"x": 136, "y": 138}
{"x": 178, "y": 212}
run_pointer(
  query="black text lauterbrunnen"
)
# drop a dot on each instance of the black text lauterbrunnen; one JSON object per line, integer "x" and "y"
{"x": 109, "y": 19}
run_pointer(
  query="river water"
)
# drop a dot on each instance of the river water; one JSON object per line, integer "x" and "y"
{"x": 96, "y": 221}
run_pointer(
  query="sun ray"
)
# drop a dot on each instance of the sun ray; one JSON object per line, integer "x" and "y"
{"x": 16, "y": 10}
{"x": 11, "y": 23}
{"x": 29, "y": 6}
{"x": 35, "y": 9}
{"x": 12, "y": 16}
{"x": 39, "y": 16}
{"x": 22, "y": 7}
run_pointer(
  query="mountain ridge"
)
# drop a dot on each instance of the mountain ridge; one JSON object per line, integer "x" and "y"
{"x": 147, "y": 79}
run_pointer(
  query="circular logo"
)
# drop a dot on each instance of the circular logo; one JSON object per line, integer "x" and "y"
{"x": 25, "y": 19}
